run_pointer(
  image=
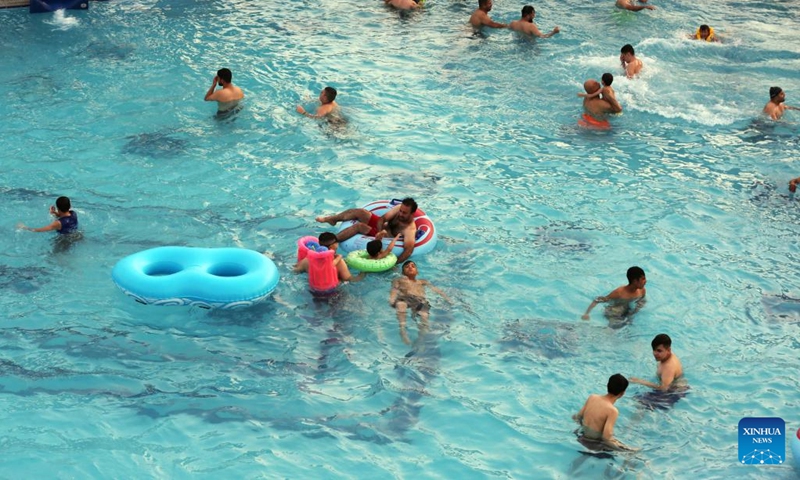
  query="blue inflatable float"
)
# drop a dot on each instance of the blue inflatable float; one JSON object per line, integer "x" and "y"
{"x": 203, "y": 277}
{"x": 796, "y": 449}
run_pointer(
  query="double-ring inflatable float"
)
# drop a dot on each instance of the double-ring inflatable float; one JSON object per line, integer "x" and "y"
{"x": 202, "y": 277}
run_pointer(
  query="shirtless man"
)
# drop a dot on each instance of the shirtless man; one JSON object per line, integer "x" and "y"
{"x": 598, "y": 415}
{"x": 403, "y": 4}
{"x": 328, "y": 105}
{"x": 669, "y": 371}
{"x": 622, "y": 297}
{"x": 630, "y": 63}
{"x": 228, "y": 96}
{"x": 628, "y": 5}
{"x": 775, "y": 107}
{"x": 595, "y": 108}
{"x": 408, "y": 293}
{"x": 329, "y": 241}
{"x": 398, "y": 220}
{"x": 525, "y": 24}
{"x": 480, "y": 17}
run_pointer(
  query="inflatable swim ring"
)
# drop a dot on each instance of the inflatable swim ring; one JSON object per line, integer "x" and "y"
{"x": 425, "y": 237}
{"x": 589, "y": 121}
{"x": 203, "y": 277}
{"x": 322, "y": 275}
{"x": 360, "y": 261}
{"x": 796, "y": 449}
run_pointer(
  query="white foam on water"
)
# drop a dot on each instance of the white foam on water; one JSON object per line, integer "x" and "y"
{"x": 61, "y": 21}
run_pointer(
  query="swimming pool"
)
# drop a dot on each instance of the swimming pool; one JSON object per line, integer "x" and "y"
{"x": 535, "y": 218}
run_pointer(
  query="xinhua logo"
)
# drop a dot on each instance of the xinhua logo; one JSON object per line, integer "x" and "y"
{"x": 762, "y": 441}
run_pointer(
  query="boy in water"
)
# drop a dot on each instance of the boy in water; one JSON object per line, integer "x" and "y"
{"x": 408, "y": 292}
{"x": 606, "y": 92}
{"x": 374, "y": 247}
{"x": 620, "y": 299}
{"x": 598, "y": 415}
{"x": 66, "y": 221}
{"x": 669, "y": 370}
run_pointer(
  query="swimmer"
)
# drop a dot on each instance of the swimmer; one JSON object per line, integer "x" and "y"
{"x": 628, "y": 5}
{"x": 622, "y": 297}
{"x": 408, "y": 293}
{"x": 66, "y": 221}
{"x": 669, "y": 370}
{"x": 595, "y": 108}
{"x": 397, "y": 221}
{"x": 598, "y": 415}
{"x": 793, "y": 184}
{"x": 705, "y": 33}
{"x": 374, "y": 247}
{"x": 228, "y": 96}
{"x": 403, "y": 4}
{"x": 775, "y": 107}
{"x": 328, "y": 106}
{"x": 328, "y": 240}
{"x": 605, "y": 92}
{"x": 525, "y": 24}
{"x": 480, "y": 17}
{"x": 630, "y": 63}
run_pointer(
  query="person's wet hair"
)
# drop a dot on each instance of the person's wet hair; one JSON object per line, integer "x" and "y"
{"x": 661, "y": 339}
{"x": 374, "y": 247}
{"x": 407, "y": 263}
{"x": 635, "y": 273}
{"x": 608, "y": 79}
{"x": 527, "y": 10}
{"x": 774, "y": 92}
{"x": 617, "y": 384}
{"x": 326, "y": 239}
{"x": 330, "y": 93}
{"x": 409, "y": 202}
{"x": 482, "y": 3}
{"x": 628, "y": 48}
{"x": 63, "y": 204}
{"x": 225, "y": 75}
{"x": 705, "y": 28}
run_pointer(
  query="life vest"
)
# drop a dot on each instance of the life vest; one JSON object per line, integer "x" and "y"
{"x": 710, "y": 37}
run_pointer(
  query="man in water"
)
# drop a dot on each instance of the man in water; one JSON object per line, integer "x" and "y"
{"x": 621, "y": 298}
{"x": 228, "y": 96}
{"x": 408, "y": 293}
{"x": 329, "y": 241}
{"x": 403, "y": 4}
{"x": 66, "y": 221}
{"x": 398, "y": 220}
{"x": 669, "y": 370}
{"x": 328, "y": 106}
{"x": 595, "y": 108}
{"x": 628, "y": 5}
{"x": 775, "y": 107}
{"x": 598, "y": 415}
{"x": 525, "y": 24}
{"x": 480, "y": 17}
{"x": 630, "y": 63}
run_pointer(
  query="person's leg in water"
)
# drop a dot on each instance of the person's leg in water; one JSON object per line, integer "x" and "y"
{"x": 402, "y": 308}
{"x": 360, "y": 215}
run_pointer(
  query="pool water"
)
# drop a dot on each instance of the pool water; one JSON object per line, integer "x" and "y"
{"x": 535, "y": 216}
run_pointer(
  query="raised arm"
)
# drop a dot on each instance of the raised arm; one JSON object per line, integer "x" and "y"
{"x": 212, "y": 90}
{"x": 388, "y": 249}
{"x": 408, "y": 244}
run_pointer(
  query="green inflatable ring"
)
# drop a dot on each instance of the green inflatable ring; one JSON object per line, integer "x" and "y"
{"x": 360, "y": 261}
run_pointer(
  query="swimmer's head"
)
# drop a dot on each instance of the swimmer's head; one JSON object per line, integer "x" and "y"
{"x": 634, "y": 274}
{"x": 409, "y": 267}
{"x": 608, "y": 79}
{"x": 661, "y": 340}
{"x": 528, "y": 10}
{"x": 626, "y": 53}
{"x": 705, "y": 31}
{"x": 328, "y": 95}
{"x": 374, "y": 247}
{"x": 591, "y": 86}
{"x": 485, "y": 5}
{"x": 328, "y": 239}
{"x": 63, "y": 204}
{"x": 628, "y": 48}
{"x": 617, "y": 384}
{"x": 405, "y": 214}
{"x": 225, "y": 75}
{"x": 774, "y": 92}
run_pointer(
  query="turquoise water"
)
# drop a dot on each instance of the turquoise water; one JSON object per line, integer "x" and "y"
{"x": 535, "y": 218}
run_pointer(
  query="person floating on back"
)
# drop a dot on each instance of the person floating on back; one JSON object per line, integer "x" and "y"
{"x": 480, "y": 17}
{"x": 598, "y": 415}
{"x": 525, "y": 24}
{"x": 408, "y": 293}
{"x": 775, "y": 107}
{"x": 228, "y": 96}
{"x": 66, "y": 221}
{"x": 621, "y": 298}
{"x": 629, "y": 5}
{"x": 630, "y": 63}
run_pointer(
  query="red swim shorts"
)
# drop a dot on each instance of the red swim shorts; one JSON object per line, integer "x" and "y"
{"x": 373, "y": 225}
{"x": 589, "y": 121}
